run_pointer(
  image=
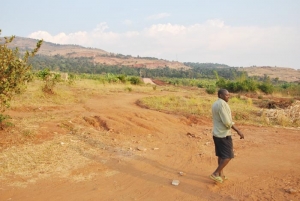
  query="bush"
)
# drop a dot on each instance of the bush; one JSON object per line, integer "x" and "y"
{"x": 211, "y": 90}
{"x": 14, "y": 71}
{"x": 266, "y": 88}
{"x": 135, "y": 80}
{"x": 50, "y": 79}
{"x": 71, "y": 78}
{"x": 122, "y": 78}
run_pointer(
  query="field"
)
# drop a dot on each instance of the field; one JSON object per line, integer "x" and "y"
{"x": 95, "y": 141}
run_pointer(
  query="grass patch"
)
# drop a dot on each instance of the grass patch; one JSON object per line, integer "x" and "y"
{"x": 243, "y": 111}
{"x": 180, "y": 104}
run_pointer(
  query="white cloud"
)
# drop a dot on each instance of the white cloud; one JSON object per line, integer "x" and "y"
{"x": 158, "y": 16}
{"x": 211, "y": 41}
{"x": 101, "y": 27}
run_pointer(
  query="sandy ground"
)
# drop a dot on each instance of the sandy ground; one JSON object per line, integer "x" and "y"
{"x": 108, "y": 148}
{"x": 148, "y": 81}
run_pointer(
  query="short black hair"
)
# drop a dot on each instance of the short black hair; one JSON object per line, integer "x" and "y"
{"x": 221, "y": 92}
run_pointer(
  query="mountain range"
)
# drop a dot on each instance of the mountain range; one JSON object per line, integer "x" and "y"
{"x": 108, "y": 58}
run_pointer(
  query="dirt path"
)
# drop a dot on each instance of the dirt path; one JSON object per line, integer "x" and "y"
{"x": 138, "y": 152}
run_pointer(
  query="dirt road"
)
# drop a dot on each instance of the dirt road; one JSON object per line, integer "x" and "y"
{"x": 108, "y": 148}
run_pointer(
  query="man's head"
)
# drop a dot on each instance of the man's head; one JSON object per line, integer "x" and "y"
{"x": 223, "y": 94}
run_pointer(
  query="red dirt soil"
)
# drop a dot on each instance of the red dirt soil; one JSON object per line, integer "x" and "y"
{"x": 144, "y": 150}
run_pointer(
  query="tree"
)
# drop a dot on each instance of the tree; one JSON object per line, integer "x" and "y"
{"x": 14, "y": 71}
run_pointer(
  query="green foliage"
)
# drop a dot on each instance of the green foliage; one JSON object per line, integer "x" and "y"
{"x": 4, "y": 121}
{"x": 122, "y": 78}
{"x": 266, "y": 86}
{"x": 201, "y": 83}
{"x": 135, "y": 80}
{"x": 112, "y": 78}
{"x": 86, "y": 65}
{"x": 50, "y": 79}
{"x": 213, "y": 70}
{"x": 211, "y": 89}
{"x": 71, "y": 78}
{"x": 246, "y": 85}
{"x": 14, "y": 71}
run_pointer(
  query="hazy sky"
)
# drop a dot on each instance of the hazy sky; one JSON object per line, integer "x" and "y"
{"x": 232, "y": 32}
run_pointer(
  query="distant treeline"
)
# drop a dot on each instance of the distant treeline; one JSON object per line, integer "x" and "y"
{"x": 86, "y": 65}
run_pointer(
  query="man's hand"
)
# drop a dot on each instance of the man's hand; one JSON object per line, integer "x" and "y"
{"x": 240, "y": 134}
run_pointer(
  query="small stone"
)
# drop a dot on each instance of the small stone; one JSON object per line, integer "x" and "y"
{"x": 207, "y": 143}
{"x": 182, "y": 173}
{"x": 291, "y": 191}
{"x": 175, "y": 182}
{"x": 155, "y": 148}
{"x": 140, "y": 148}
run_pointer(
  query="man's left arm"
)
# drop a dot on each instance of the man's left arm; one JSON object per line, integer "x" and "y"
{"x": 238, "y": 132}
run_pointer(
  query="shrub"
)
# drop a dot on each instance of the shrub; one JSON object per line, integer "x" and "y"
{"x": 4, "y": 122}
{"x": 122, "y": 78}
{"x": 111, "y": 78}
{"x": 71, "y": 79}
{"x": 50, "y": 79}
{"x": 211, "y": 89}
{"x": 200, "y": 85}
{"x": 135, "y": 80}
{"x": 14, "y": 71}
{"x": 267, "y": 88}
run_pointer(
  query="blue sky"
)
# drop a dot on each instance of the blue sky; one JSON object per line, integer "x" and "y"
{"x": 232, "y": 32}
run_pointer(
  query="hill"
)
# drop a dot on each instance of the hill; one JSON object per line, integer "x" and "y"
{"x": 98, "y": 55}
{"x": 102, "y": 57}
{"x": 284, "y": 74}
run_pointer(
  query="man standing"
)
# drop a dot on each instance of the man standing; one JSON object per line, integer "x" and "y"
{"x": 222, "y": 123}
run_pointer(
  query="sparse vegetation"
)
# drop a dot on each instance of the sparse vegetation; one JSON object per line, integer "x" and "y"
{"x": 50, "y": 80}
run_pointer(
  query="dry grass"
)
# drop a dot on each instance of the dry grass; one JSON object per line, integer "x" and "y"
{"x": 51, "y": 158}
{"x": 284, "y": 117}
{"x": 194, "y": 104}
{"x": 179, "y": 104}
{"x": 27, "y": 162}
{"x": 286, "y": 74}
